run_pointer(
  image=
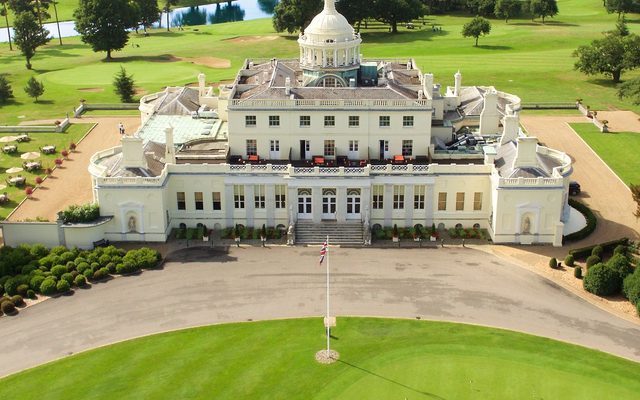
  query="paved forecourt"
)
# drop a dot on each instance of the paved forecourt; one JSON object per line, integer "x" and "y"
{"x": 199, "y": 287}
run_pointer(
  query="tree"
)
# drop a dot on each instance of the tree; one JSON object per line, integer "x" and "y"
{"x": 355, "y": 11}
{"x": 393, "y": 12}
{"x": 481, "y": 7}
{"x": 543, "y": 8}
{"x": 28, "y": 35}
{"x": 124, "y": 86}
{"x": 610, "y": 56}
{"x": 621, "y": 7}
{"x": 635, "y": 194}
{"x": 167, "y": 10}
{"x": 148, "y": 12}
{"x": 34, "y": 88}
{"x": 506, "y": 9}
{"x": 295, "y": 15}
{"x": 6, "y": 93}
{"x": 5, "y": 13}
{"x": 37, "y": 7}
{"x": 103, "y": 24}
{"x": 476, "y": 27}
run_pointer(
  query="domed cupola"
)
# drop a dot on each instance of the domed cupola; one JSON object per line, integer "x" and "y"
{"x": 329, "y": 49}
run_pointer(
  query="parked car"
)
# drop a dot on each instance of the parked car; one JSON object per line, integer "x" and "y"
{"x": 574, "y": 188}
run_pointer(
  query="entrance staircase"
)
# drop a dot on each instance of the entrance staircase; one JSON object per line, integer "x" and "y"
{"x": 344, "y": 233}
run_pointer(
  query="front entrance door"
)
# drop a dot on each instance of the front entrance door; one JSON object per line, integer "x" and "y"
{"x": 304, "y": 204}
{"x": 274, "y": 150}
{"x": 353, "y": 204}
{"x": 305, "y": 150}
{"x": 329, "y": 204}
{"x": 384, "y": 149}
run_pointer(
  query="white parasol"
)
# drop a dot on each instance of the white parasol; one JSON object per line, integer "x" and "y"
{"x": 14, "y": 170}
{"x": 30, "y": 155}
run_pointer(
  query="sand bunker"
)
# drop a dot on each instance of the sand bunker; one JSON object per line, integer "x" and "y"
{"x": 251, "y": 39}
{"x": 91, "y": 89}
{"x": 211, "y": 62}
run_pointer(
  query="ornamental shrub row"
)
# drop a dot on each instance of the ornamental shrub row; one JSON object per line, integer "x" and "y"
{"x": 79, "y": 214}
{"x": 589, "y": 216}
{"x": 584, "y": 252}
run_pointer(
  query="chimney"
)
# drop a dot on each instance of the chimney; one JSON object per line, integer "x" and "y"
{"x": 526, "y": 152}
{"x": 458, "y": 83}
{"x": 409, "y": 64}
{"x": 265, "y": 76}
{"x": 170, "y": 151}
{"x": 287, "y": 86}
{"x": 510, "y": 128}
{"x": 427, "y": 85}
{"x": 201, "y": 82}
{"x": 489, "y": 117}
{"x": 420, "y": 94}
{"x": 133, "y": 152}
{"x": 352, "y": 82}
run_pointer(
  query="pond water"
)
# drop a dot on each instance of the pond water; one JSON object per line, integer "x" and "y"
{"x": 236, "y": 10}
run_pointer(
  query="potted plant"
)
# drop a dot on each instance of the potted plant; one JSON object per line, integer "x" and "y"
{"x": 72, "y": 146}
{"x": 57, "y": 123}
{"x": 395, "y": 237}
{"x": 65, "y": 154}
{"x": 263, "y": 235}
{"x": 39, "y": 180}
{"x": 58, "y": 162}
{"x": 434, "y": 233}
{"x": 205, "y": 234}
{"x": 48, "y": 171}
{"x": 236, "y": 235}
{"x": 29, "y": 191}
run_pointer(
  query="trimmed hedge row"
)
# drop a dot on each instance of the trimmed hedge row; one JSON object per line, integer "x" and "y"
{"x": 584, "y": 252}
{"x": 592, "y": 222}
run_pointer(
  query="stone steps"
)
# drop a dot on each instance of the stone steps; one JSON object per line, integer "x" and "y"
{"x": 349, "y": 233}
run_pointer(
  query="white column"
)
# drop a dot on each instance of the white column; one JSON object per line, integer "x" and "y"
{"x": 324, "y": 58}
{"x": 335, "y": 57}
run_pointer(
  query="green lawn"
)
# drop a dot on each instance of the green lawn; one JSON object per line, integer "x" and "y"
{"x": 61, "y": 140}
{"x": 380, "y": 359}
{"x": 619, "y": 150}
{"x": 527, "y": 58}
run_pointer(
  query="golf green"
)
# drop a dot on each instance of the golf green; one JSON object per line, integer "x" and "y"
{"x": 379, "y": 359}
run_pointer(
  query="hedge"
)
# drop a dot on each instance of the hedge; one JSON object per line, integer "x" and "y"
{"x": 80, "y": 281}
{"x": 80, "y": 214}
{"x": 584, "y": 252}
{"x": 63, "y": 286}
{"x": 631, "y": 287}
{"x": 48, "y": 287}
{"x": 589, "y": 216}
{"x": 601, "y": 280}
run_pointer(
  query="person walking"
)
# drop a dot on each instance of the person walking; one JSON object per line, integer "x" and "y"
{"x": 121, "y": 128}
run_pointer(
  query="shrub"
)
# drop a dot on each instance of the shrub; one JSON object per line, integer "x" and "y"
{"x": 67, "y": 257}
{"x": 569, "y": 261}
{"x": 584, "y": 252}
{"x": 621, "y": 265}
{"x": 597, "y": 251}
{"x": 11, "y": 286}
{"x": 31, "y": 294}
{"x": 601, "y": 280}
{"x": 82, "y": 266}
{"x": 87, "y": 273}
{"x": 17, "y": 300}
{"x": 631, "y": 287}
{"x": 79, "y": 214}
{"x": 36, "y": 282}
{"x": 104, "y": 259}
{"x": 27, "y": 269}
{"x": 142, "y": 258}
{"x": 8, "y": 307}
{"x": 111, "y": 267}
{"x": 553, "y": 263}
{"x": 80, "y": 281}
{"x": 620, "y": 249}
{"x": 58, "y": 270}
{"x": 67, "y": 277}
{"x": 126, "y": 268}
{"x": 22, "y": 289}
{"x": 577, "y": 272}
{"x": 48, "y": 287}
{"x": 592, "y": 260}
{"x": 63, "y": 286}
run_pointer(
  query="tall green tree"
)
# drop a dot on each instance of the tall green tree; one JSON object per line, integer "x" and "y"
{"x": 393, "y": 12}
{"x": 39, "y": 8}
{"x": 612, "y": 55}
{"x": 635, "y": 195}
{"x": 167, "y": 9}
{"x": 34, "y": 88}
{"x": 6, "y": 93}
{"x": 479, "y": 26}
{"x": 124, "y": 86}
{"x": 507, "y": 9}
{"x": 103, "y": 24}
{"x": 481, "y": 7}
{"x": 543, "y": 8}
{"x": 621, "y": 7}
{"x": 355, "y": 11}
{"x": 295, "y": 15}
{"x": 5, "y": 13}
{"x": 29, "y": 35}
{"x": 148, "y": 12}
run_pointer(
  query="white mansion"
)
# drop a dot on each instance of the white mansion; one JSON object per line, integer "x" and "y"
{"x": 332, "y": 139}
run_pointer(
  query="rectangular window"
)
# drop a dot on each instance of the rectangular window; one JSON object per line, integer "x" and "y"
{"x": 238, "y": 196}
{"x": 217, "y": 203}
{"x": 182, "y": 204}
{"x": 460, "y": 201}
{"x": 385, "y": 120}
{"x": 329, "y": 148}
{"x": 274, "y": 120}
{"x": 442, "y": 201}
{"x": 249, "y": 120}
{"x": 329, "y": 120}
{"x": 477, "y": 201}
{"x": 252, "y": 147}
{"x": 378, "y": 197}
{"x": 407, "y": 120}
{"x": 398, "y": 197}
{"x": 407, "y": 148}
{"x": 418, "y": 197}
{"x": 353, "y": 145}
{"x": 305, "y": 120}
{"x": 258, "y": 196}
{"x": 199, "y": 200}
{"x": 354, "y": 120}
{"x": 274, "y": 145}
{"x": 281, "y": 196}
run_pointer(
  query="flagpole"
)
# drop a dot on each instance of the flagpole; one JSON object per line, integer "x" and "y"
{"x": 328, "y": 325}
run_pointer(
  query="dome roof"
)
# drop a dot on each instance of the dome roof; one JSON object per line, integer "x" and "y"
{"x": 329, "y": 24}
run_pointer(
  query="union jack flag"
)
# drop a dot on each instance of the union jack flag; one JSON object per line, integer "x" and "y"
{"x": 323, "y": 252}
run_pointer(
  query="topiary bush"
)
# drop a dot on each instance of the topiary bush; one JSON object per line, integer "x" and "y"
{"x": 126, "y": 268}
{"x": 569, "y": 261}
{"x": 111, "y": 267}
{"x": 592, "y": 260}
{"x": 597, "y": 251}
{"x": 31, "y": 294}
{"x": 11, "y": 286}
{"x": 58, "y": 270}
{"x": 35, "y": 282}
{"x": 67, "y": 277}
{"x": 577, "y": 272}
{"x": 22, "y": 289}
{"x": 601, "y": 280}
{"x": 82, "y": 266}
{"x": 17, "y": 300}
{"x": 63, "y": 286}
{"x": 100, "y": 273}
{"x": 88, "y": 273}
{"x": 8, "y": 307}
{"x": 621, "y": 264}
{"x": 553, "y": 263}
{"x": 80, "y": 281}
{"x": 631, "y": 287}
{"x": 142, "y": 258}
{"x": 620, "y": 249}
{"x": 48, "y": 287}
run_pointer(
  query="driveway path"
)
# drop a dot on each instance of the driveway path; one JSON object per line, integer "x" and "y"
{"x": 454, "y": 284}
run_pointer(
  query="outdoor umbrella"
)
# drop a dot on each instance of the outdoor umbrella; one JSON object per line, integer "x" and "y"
{"x": 7, "y": 139}
{"x": 3, "y": 187}
{"x": 14, "y": 170}
{"x": 30, "y": 155}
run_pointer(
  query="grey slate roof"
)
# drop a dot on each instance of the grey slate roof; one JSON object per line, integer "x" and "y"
{"x": 506, "y": 155}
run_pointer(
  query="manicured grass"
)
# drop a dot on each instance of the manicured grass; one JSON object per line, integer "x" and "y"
{"x": 61, "y": 140}
{"x": 526, "y": 58}
{"x": 379, "y": 359}
{"x": 619, "y": 150}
